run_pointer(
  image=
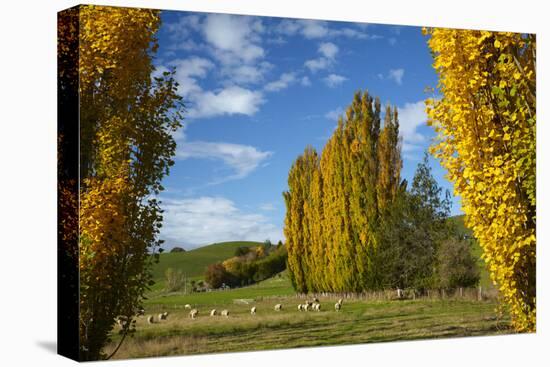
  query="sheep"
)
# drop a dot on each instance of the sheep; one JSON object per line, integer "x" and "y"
{"x": 140, "y": 311}
{"x": 340, "y": 301}
{"x": 187, "y": 306}
{"x": 151, "y": 319}
{"x": 306, "y": 306}
{"x": 316, "y": 307}
{"x": 253, "y": 310}
{"x": 193, "y": 313}
{"x": 301, "y": 307}
{"x": 213, "y": 312}
{"x": 278, "y": 307}
{"x": 163, "y": 316}
{"x": 225, "y": 313}
{"x": 337, "y": 306}
{"x": 316, "y": 300}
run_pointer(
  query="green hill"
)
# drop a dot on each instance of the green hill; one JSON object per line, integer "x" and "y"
{"x": 194, "y": 262}
{"x": 485, "y": 280}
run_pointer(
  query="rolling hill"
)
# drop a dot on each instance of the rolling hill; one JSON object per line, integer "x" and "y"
{"x": 194, "y": 262}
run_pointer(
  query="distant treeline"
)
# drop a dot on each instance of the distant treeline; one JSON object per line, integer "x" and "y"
{"x": 249, "y": 265}
{"x": 352, "y": 224}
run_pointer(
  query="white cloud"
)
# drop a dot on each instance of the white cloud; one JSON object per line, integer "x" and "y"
{"x": 396, "y": 75}
{"x": 334, "y": 80}
{"x": 241, "y": 159}
{"x": 328, "y": 50}
{"x": 316, "y": 29}
{"x": 315, "y": 65}
{"x": 305, "y": 82}
{"x": 334, "y": 114}
{"x": 234, "y": 36}
{"x": 282, "y": 83}
{"x": 194, "y": 222}
{"x": 268, "y": 207}
{"x": 411, "y": 117}
{"x": 313, "y": 28}
{"x": 188, "y": 71}
{"x": 228, "y": 101}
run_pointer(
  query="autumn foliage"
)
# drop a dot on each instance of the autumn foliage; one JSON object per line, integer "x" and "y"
{"x": 335, "y": 201}
{"x": 486, "y": 125}
{"x": 126, "y": 146}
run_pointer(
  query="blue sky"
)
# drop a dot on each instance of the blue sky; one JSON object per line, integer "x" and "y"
{"x": 257, "y": 91}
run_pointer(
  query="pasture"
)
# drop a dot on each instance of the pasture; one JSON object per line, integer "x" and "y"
{"x": 359, "y": 321}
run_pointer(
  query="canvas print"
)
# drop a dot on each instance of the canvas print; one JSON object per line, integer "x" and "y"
{"x": 240, "y": 183}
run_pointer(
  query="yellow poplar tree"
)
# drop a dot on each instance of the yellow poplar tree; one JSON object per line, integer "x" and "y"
{"x": 486, "y": 126}
{"x": 126, "y": 146}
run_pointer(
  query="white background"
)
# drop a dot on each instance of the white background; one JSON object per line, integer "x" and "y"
{"x": 28, "y": 182}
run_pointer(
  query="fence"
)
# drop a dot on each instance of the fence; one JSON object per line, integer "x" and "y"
{"x": 478, "y": 294}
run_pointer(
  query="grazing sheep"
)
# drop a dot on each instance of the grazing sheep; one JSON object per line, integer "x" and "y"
{"x": 316, "y": 307}
{"x": 151, "y": 319}
{"x": 306, "y": 306}
{"x": 213, "y": 312}
{"x": 253, "y": 310}
{"x": 278, "y": 307}
{"x": 163, "y": 316}
{"x": 337, "y": 306}
{"x": 340, "y": 301}
{"x": 193, "y": 313}
{"x": 225, "y": 313}
{"x": 301, "y": 307}
{"x": 187, "y": 306}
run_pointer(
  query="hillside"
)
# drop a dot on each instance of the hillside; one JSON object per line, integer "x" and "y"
{"x": 194, "y": 262}
{"x": 485, "y": 280}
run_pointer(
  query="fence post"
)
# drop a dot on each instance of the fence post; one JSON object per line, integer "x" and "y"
{"x": 479, "y": 295}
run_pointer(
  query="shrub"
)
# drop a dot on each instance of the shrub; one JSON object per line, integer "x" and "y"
{"x": 175, "y": 280}
{"x": 457, "y": 265}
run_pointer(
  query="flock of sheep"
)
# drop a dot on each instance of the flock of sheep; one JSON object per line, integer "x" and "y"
{"x": 313, "y": 305}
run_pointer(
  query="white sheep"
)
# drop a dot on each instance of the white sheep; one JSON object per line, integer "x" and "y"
{"x": 151, "y": 319}
{"x": 278, "y": 307}
{"x": 301, "y": 307}
{"x": 193, "y": 313}
{"x": 337, "y": 306}
{"x": 213, "y": 312}
{"x": 340, "y": 301}
{"x": 253, "y": 310}
{"x": 316, "y": 307}
{"x": 225, "y": 313}
{"x": 306, "y": 306}
{"x": 163, "y": 316}
{"x": 187, "y": 306}
{"x": 316, "y": 300}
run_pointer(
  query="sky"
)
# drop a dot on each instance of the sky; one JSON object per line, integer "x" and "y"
{"x": 257, "y": 91}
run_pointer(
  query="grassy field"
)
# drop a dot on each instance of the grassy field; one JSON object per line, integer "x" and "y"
{"x": 194, "y": 262}
{"x": 359, "y": 321}
{"x": 377, "y": 319}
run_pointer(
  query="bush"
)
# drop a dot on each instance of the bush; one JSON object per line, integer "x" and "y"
{"x": 457, "y": 265}
{"x": 242, "y": 250}
{"x": 175, "y": 280}
{"x": 177, "y": 249}
{"x": 216, "y": 275}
